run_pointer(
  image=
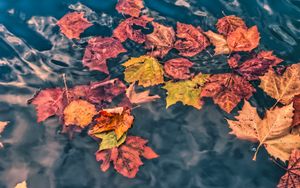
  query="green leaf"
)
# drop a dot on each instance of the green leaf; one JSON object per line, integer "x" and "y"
{"x": 109, "y": 140}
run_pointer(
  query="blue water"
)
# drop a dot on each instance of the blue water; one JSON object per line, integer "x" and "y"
{"x": 194, "y": 146}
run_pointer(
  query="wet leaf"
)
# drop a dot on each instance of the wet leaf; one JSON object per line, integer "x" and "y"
{"x": 3, "y": 124}
{"x": 73, "y": 24}
{"x": 161, "y": 41}
{"x": 117, "y": 119}
{"x": 292, "y": 177}
{"x": 282, "y": 88}
{"x": 187, "y": 92}
{"x": 126, "y": 158}
{"x": 227, "y": 90}
{"x": 243, "y": 39}
{"x": 146, "y": 70}
{"x": 141, "y": 97}
{"x": 79, "y": 113}
{"x": 109, "y": 140}
{"x": 21, "y": 185}
{"x": 130, "y": 7}
{"x": 178, "y": 68}
{"x": 99, "y": 50}
{"x": 228, "y": 24}
{"x": 219, "y": 41}
{"x": 191, "y": 40}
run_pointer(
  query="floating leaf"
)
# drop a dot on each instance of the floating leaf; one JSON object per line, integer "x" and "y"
{"x": 178, "y": 68}
{"x": 130, "y": 7}
{"x": 227, "y": 90}
{"x": 161, "y": 41}
{"x": 3, "y": 124}
{"x": 73, "y": 24}
{"x": 228, "y": 24}
{"x": 187, "y": 92}
{"x": 126, "y": 158}
{"x": 144, "y": 69}
{"x": 21, "y": 185}
{"x": 79, "y": 113}
{"x": 219, "y": 41}
{"x": 141, "y": 97}
{"x": 99, "y": 50}
{"x": 117, "y": 119}
{"x": 192, "y": 40}
{"x": 109, "y": 140}
{"x": 282, "y": 88}
{"x": 243, "y": 39}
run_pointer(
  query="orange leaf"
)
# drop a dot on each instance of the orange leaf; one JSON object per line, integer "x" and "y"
{"x": 228, "y": 24}
{"x": 130, "y": 7}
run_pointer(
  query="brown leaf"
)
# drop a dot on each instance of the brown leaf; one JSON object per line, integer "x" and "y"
{"x": 296, "y": 119}
{"x": 161, "y": 41}
{"x": 191, "y": 40}
{"x": 228, "y": 24}
{"x": 141, "y": 97}
{"x": 219, "y": 41}
{"x": 99, "y": 50}
{"x": 73, "y": 24}
{"x": 243, "y": 39}
{"x": 130, "y": 7}
{"x": 178, "y": 68}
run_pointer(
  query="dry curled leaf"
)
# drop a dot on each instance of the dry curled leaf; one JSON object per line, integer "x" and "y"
{"x": 126, "y": 158}
{"x": 99, "y": 50}
{"x": 284, "y": 87}
{"x": 219, "y": 41}
{"x": 291, "y": 179}
{"x": 73, "y": 24}
{"x": 178, "y": 68}
{"x": 191, "y": 40}
{"x": 146, "y": 70}
{"x": 228, "y": 24}
{"x": 243, "y": 39}
{"x": 130, "y": 7}
{"x": 227, "y": 90}
{"x": 79, "y": 113}
{"x": 141, "y": 97}
{"x": 161, "y": 41}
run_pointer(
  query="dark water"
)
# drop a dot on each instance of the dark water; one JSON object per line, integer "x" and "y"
{"x": 194, "y": 146}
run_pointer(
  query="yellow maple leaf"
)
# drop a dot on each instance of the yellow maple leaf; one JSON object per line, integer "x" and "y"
{"x": 144, "y": 69}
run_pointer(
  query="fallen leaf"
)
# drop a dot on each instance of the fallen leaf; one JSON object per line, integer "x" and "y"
{"x": 144, "y": 69}
{"x": 126, "y": 158}
{"x": 117, "y": 119}
{"x": 191, "y": 40}
{"x": 3, "y": 124}
{"x": 73, "y": 24}
{"x": 130, "y": 7}
{"x": 187, "y": 92}
{"x": 161, "y": 41}
{"x": 79, "y": 113}
{"x": 178, "y": 68}
{"x": 141, "y": 97}
{"x": 228, "y": 24}
{"x": 219, "y": 41}
{"x": 282, "y": 88}
{"x": 227, "y": 90}
{"x": 99, "y": 50}
{"x": 21, "y": 185}
{"x": 291, "y": 179}
{"x": 296, "y": 119}
{"x": 243, "y": 39}
{"x": 126, "y": 30}
{"x": 109, "y": 140}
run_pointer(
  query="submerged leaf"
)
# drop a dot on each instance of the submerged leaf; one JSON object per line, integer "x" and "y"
{"x": 178, "y": 68}
{"x": 219, "y": 41}
{"x": 228, "y": 24}
{"x": 109, "y": 140}
{"x": 141, "y": 97}
{"x": 130, "y": 7}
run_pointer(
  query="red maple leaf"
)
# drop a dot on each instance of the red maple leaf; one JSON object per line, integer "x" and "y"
{"x": 192, "y": 40}
{"x": 228, "y": 24}
{"x": 130, "y": 7}
{"x": 73, "y": 24}
{"x": 99, "y": 50}
{"x": 178, "y": 68}
{"x": 126, "y": 158}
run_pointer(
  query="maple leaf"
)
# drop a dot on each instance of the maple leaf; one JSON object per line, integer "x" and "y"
{"x": 126, "y": 158}
{"x": 219, "y": 41}
{"x": 99, "y": 50}
{"x": 161, "y": 41}
{"x": 178, "y": 68}
{"x": 292, "y": 177}
{"x": 125, "y": 29}
{"x": 79, "y": 113}
{"x": 144, "y": 69}
{"x": 284, "y": 87}
{"x": 257, "y": 66}
{"x": 130, "y": 7}
{"x": 188, "y": 91}
{"x": 73, "y": 24}
{"x": 141, "y": 97}
{"x": 243, "y": 39}
{"x": 227, "y": 90}
{"x": 109, "y": 140}
{"x": 117, "y": 119}
{"x": 228, "y": 24}
{"x": 296, "y": 119}
{"x": 192, "y": 40}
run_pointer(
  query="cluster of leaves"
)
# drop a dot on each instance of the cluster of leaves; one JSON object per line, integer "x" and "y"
{"x": 85, "y": 106}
